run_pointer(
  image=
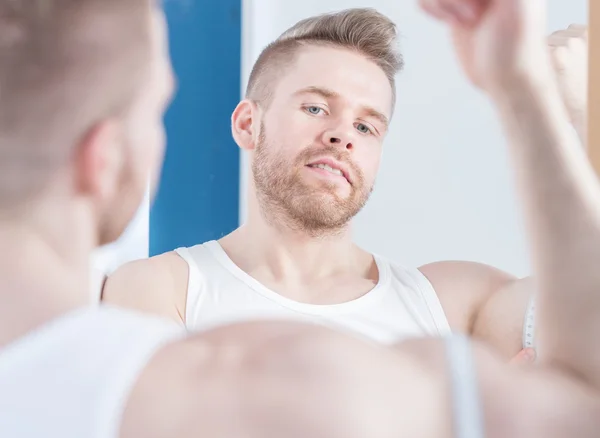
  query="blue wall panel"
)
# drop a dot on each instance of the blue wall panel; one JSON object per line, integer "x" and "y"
{"x": 198, "y": 198}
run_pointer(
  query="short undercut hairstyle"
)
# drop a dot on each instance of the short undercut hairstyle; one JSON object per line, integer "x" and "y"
{"x": 363, "y": 30}
{"x": 65, "y": 65}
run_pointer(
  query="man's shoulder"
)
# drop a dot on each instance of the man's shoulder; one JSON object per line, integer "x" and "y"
{"x": 157, "y": 284}
{"x": 463, "y": 287}
{"x": 452, "y": 276}
{"x": 160, "y": 268}
{"x": 448, "y": 274}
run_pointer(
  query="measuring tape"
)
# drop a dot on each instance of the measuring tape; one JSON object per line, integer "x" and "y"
{"x": 529, "y": 326}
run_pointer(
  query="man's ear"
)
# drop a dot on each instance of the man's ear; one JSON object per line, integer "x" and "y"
{"x": 244, "y": 124}
{"x": 98, "y": 160}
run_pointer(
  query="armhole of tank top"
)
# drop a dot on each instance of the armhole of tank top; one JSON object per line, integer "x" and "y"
{"x": 433, "y": 303}
{"x": 124, "y": 381}
{"x": 193, "y": 285}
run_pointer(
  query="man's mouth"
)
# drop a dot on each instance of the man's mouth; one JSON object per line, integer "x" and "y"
{"x": 327, "y": 165}
{"x": 327, "y": 168}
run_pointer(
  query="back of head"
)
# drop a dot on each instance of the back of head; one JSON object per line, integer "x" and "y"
{"x": 363, "y": 30}
{"x": 64, "y": 66}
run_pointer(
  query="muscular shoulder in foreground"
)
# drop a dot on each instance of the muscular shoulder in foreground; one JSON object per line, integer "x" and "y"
{"x": 156, "y": 285}
{"x": 279, "y": 379}
{"x": 274, "y": 379}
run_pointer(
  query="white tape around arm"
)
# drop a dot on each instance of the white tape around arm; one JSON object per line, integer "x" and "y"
{"x": 529, "y": 325}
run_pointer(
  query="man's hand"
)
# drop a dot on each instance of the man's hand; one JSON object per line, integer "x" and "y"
{"x": 569, "y": 53}
{"x": 497, "y": 41}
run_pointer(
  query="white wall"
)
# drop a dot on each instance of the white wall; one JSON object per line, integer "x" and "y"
{"x": 444, "y": 191}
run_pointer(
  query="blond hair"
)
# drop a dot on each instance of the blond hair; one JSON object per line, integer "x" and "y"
{"x": 64, "y": 66}
{"x": 363, "y": 30}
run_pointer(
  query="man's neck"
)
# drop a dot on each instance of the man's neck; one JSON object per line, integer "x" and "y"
{"x": 291, "y": 254}
{"x": 42, "y": 276}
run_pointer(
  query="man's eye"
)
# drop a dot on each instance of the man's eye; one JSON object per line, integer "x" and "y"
{"x": 364, "y": 129}
{"x": 315, "y": 110}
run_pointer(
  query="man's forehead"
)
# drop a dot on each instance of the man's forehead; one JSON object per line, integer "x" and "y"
{"x": 361, "y": 81}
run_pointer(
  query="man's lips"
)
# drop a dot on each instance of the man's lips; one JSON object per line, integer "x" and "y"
{"x": 332, "y": 166}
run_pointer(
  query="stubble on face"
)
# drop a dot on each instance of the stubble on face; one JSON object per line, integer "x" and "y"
{"x": 289, "y": 201}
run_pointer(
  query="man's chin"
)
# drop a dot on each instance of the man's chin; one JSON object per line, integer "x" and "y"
{"x": 325, "y": 211}
{"x": 326, "y": 192}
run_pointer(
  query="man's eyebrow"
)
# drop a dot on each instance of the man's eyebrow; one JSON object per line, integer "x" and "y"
{"x": 325, "y": 92}
{"x": 372, "y": 112}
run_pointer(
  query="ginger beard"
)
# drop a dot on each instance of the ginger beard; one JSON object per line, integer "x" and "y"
{"x": 314, "y": 208}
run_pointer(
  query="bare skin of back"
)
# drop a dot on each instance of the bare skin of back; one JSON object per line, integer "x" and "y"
{"x": 282, "y": 379}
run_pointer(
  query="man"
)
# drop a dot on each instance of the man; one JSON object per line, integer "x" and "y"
{"x": 70, "y": 370}
{"x": 315, "y": 137}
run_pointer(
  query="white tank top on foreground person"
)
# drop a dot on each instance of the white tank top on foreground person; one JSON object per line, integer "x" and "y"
{"x": 402, "y": 304}
{"x": 72, "y": 377}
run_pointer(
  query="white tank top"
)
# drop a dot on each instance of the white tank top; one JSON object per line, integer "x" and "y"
{"x": 403, "y": 304}
{"x": 71, "y": 378}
